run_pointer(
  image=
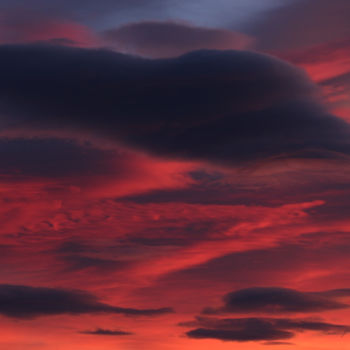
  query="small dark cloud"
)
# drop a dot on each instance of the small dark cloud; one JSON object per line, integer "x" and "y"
{"x": 79, "y": 255}
{"x": 72, "y": 247}
{"x": 101, "y": 331}
{"x": 277, "y": 343}
{"x": 277, "y": 300}
{"x": 227, "y": 107}
{"x": 24, "y": 302}
{"x": 159, "y": 39}
{"x": 240, "y": 335}
{"x": 81, "y": 262}
{"x": 258, "y": 329}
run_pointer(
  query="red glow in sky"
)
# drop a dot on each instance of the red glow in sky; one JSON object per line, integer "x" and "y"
{"x": 169, "y": 183}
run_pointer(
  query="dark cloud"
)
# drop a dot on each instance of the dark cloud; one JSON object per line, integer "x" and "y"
{"x": 257, "y": 329}
{"x": 80, "y": 262}
{"x": 228, "y": 107}
{"x": 56, "y": 158}
{"x": 278, "y": 300}
{"x": 169, "y": 39}
{"x": 101, "y": 331}
{"x": 79, "y": 255}
{"x": 72, "y": 246}
{"x": 240, "y": 335}
{"x": 312, "y": 182}
{"x": 26, "y": 302}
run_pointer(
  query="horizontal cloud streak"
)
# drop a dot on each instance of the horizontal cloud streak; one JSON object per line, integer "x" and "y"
{"x": 279, "y": 300}
{"x": 26, "y": 302}
{"x": 101, "y": 331}
{"x": 258, "y": 329}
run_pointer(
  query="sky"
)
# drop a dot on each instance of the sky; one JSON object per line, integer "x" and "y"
{"x": 174, "y": 175}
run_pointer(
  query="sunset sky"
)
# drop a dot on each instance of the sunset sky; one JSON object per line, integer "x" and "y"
{"x": 174, "y": 174}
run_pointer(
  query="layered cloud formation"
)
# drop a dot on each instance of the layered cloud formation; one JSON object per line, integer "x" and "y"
{"x": 270, "y": 301}
{"x": 258, "y": 329}
{"x": 189, "y": 156}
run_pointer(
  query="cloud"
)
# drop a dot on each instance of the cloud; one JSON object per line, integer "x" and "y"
{"x": 24, "y": 302}
{"x": 275, "y": 265}
{"x": 80, "y": 262}
{"x": 160, "y": 39}
{"x": 337, "y": 91}
{"x": 101, "y": 331}
{"x": 54, "y": 158}
{"x": 226, "y": 107}
{"x": 258, "y": 329}
{"x": 327, "y": 64}
{"x": 322, "y": 62}
{"x": 62, "y": 166}
{"x": 240, "y": 335}
{"x": 278, "y": 300}
{"x": 336, "y": 293}
{"x": 152, "y": 240}
{"x": 28, "y": 27}
{"x": 72, "y": 247}
{"x": 322, "y": 21}
{"x": 78, "y": 255}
